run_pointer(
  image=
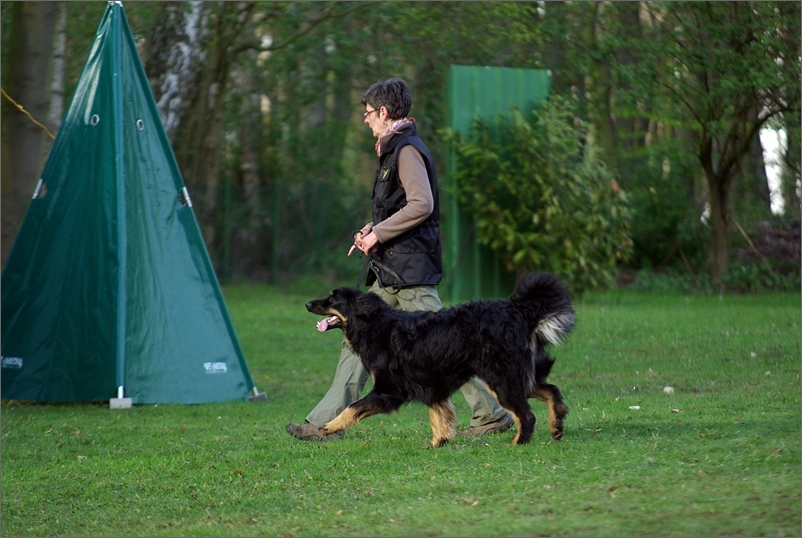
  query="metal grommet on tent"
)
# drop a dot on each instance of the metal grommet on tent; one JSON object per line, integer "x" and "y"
{"x": 41, "y": 189}
{"x": 183, "y": 198}
{"x": 95, "y": 119}
{"x": 140, "y": 125}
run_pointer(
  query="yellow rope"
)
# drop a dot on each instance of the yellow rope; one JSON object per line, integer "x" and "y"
{"x": 751, "y": 244}
{"x": 27, "y": 114}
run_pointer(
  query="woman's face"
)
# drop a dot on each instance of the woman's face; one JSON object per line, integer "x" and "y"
{"x": 374, "y": 118}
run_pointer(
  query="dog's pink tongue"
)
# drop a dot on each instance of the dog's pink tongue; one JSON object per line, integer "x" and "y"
{"x": 322, "y": 325}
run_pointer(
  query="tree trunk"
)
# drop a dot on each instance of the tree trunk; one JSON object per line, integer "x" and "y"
{"x": 57, "y": 79}
{"x": 247, "y": 233}
{"x": 790, "y": 174}
{"x": 719, "y": 179}
{"x": 23, "y": 142}
{"x": 201, "y": 133}
{"x": 188, "y": 68}
{"x": 598, "y": 82}
{"x": 750, "y": 191}
{"x": 554, "y": 53}
{"x": 175, "y": 59}
{"x": 719, "y": 255}
{"x": 695, "y": 184}
{"x": 630, "y": 131}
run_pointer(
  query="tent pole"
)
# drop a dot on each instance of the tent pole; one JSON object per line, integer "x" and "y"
{"x": 116, "y": 31}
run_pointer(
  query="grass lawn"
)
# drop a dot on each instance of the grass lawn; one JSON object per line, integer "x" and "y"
{"x": 720, "y": 456}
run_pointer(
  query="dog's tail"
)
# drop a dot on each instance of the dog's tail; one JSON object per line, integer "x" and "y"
{"x": 547, "y": 305}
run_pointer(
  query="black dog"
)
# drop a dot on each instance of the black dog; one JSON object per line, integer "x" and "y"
{"x": 426, "y": 356}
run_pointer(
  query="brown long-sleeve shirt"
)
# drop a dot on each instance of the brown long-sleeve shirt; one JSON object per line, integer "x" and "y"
{"x": 418, "y": 191}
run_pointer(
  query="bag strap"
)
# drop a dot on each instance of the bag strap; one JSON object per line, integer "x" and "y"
{"x": 375, "y": 266}
{"x": 362, "y": 272}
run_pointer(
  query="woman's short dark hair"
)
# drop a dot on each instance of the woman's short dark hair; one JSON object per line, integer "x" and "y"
{"x": 391, "y": 94}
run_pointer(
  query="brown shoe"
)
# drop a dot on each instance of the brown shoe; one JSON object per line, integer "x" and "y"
{"x": 309, "y": 432}
{"x": 501, "y": 425}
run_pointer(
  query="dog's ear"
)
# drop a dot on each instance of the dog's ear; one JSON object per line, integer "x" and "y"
{"x": 369, "y": 304}
{"x": 346, "y": 298}
{"x": 342, "y": 296}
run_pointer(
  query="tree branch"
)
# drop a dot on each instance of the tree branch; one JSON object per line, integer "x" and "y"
{"x": 325, "y": 15}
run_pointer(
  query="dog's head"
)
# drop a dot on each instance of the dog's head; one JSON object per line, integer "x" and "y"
{"x": 338, "y": 307}
{"x": 343, "y": 305}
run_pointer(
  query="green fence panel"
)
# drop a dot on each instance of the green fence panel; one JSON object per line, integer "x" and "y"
{"x": 473, "y": 271}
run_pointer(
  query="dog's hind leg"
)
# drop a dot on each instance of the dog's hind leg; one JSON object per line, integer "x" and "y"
{"x": 444, "y": 422}
{"x": 524, "y": 422}
{"x": 520, "y": 411}
{"x": 557, "y": 409}
{"x": 511, "y": 395}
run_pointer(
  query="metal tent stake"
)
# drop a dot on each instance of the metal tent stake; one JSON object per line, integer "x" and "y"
{"x": 257, "y": 396}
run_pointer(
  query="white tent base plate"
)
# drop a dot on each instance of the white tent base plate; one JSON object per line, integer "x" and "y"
{"x": 258, "y": 397}
{"x": 120, "y": 403}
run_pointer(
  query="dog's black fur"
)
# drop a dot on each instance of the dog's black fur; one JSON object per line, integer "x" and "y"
{"x": 427, "y": 356}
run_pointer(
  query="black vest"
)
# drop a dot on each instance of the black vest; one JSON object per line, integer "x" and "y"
{"x": 413, "y": 258}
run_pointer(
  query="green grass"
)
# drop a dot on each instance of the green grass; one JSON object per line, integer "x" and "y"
{"x": 719, "y": 456}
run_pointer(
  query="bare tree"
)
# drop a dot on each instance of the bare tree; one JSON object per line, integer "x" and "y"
{"x": 58, "y": 62}
{"x": 176, "y": 53}
{"x": 726, "y": 61}
{"x": 25, "y": 77}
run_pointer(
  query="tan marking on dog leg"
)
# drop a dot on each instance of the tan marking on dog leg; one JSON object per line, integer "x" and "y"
{"x": 343, "y": 421}
{"x": 555, "y": 423}
{"x": 517, "y": 426}
{"x": 444, "y": 423}
{"x": 437, "y": 427}
{"x": 513, "y": 415}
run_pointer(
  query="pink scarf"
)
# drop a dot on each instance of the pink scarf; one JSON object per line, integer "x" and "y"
{"x": 395, "y": 128}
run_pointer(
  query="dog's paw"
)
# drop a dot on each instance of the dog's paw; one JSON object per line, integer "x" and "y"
{"x": 557, "y": 429}
{"x": 439, "y": 442}
{"x": 326, "y": 430}
{"x": 557, "y": 423}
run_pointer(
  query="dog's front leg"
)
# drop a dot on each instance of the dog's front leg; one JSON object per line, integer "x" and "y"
{"x": 343, "y": 421}
{"x": 372, "y": 404}
{"x": 444, "y": 422}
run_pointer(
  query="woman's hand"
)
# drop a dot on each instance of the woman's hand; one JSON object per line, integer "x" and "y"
{"x": 364, "y": 243}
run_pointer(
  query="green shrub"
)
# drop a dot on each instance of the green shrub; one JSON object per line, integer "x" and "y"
{"x": 542, "y": 197}
{"x": 741, "y": 277}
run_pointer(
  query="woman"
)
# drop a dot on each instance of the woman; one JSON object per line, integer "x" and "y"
{"x": 403, "y": 244}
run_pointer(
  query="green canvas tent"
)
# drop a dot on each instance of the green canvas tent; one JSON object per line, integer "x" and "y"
{"x": 108, "y": 289}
